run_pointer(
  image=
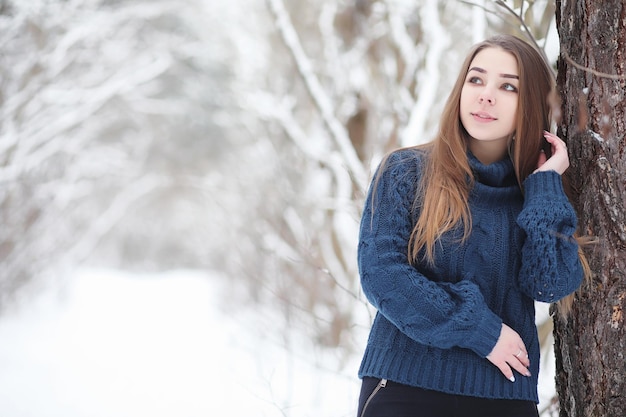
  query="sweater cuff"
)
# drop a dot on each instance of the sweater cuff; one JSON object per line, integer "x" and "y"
{"x": 544, "y": 185}
{"x": 485, "y": 335}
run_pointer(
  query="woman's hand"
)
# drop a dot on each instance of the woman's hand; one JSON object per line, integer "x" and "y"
{"x": 559, "y": 161}
{"x": 510, "y": 353}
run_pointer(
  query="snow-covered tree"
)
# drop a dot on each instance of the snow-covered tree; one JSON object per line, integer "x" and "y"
{"x": 238, "y": 136}
{"x": 345, "y": 83}
{"x": 110, "y": 134}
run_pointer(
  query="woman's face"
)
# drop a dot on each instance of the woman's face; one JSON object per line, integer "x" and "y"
{"x": 489, "y": 98}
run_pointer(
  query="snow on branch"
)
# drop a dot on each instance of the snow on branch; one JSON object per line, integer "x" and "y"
{"x": 281, "y": 112}
{"x": 403, "y": 41}
{"x": 337, "y": 205}
{"x": 318, "y": 95}
{"x": 438, "y": 40}
{"x": 38, "y": 147}
{"x": 117, "y": 209}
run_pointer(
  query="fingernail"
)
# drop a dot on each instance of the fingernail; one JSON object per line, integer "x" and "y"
{"x": 512, "y": 379}
{"x": 528, "y": 373}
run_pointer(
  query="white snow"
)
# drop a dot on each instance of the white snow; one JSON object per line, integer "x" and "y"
{"x": 117, "y": 344}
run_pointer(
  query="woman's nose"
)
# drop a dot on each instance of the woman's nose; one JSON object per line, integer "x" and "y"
{"x": 486, "y": 96}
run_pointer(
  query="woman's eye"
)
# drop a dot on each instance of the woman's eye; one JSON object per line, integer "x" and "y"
{"x": 509, "y": 87}
{"x": 474, "y": 80}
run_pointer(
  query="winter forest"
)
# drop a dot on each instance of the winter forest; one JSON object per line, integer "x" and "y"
{"x": 234, "y": 139}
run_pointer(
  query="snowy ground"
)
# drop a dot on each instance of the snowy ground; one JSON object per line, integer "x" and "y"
{"x": 119, "y": 345}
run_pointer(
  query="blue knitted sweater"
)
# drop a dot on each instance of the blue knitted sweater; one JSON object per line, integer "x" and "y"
{"x": 435, "y": 325}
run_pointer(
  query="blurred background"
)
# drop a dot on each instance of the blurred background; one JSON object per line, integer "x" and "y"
{"x": 181, "y": 184}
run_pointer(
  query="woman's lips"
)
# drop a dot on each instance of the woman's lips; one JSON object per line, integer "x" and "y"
{"x": 482, "y": 117}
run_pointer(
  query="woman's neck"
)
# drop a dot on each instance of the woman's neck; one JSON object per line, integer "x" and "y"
{"x": 488, "y": 152}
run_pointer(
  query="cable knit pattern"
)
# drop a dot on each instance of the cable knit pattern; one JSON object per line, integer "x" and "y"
{"x": 436, "y": 324}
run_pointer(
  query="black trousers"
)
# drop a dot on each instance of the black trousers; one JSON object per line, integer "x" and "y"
{"x": 397, "y": 400}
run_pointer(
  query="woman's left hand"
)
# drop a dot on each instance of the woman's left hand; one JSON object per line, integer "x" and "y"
{"x": 559, "y": 161}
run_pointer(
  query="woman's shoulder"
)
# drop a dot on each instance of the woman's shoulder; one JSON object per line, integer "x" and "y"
{"x": 411, "y": 159}
{"x": 412, "y": 152}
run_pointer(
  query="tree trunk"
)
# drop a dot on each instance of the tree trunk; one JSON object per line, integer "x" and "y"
{"x": 591, "y": 343}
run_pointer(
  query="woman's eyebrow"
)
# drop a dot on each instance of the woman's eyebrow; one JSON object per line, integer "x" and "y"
{"x": 483, "y": 71}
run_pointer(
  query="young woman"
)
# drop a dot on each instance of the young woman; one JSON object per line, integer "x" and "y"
{"x": 458, "y": 238}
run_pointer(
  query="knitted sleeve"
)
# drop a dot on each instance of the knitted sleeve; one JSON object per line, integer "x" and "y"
{"x": 550, "y": 268}
{"x": 439, "y": 314}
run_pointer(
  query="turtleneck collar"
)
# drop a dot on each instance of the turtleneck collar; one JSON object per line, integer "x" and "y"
{"x": 497, "y": 174}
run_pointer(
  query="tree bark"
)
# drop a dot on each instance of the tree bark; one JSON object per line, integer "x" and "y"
{"x": 591, "y": 342}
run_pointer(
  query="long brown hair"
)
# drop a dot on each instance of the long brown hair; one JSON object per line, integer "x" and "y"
{"x": 443, "y": 192}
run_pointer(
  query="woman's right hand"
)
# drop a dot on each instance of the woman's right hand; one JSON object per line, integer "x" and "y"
{"x": 510, "y": 353}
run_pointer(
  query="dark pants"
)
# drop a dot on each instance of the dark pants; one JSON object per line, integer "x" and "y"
{"x": 397, "y": 400}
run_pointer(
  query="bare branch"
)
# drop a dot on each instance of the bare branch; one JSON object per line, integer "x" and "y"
{"x": 480, "y": 6}
{"x": 590, "y": 70}
{"x": 520, "y": 19}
